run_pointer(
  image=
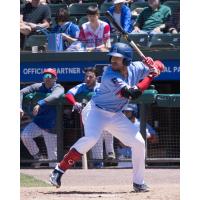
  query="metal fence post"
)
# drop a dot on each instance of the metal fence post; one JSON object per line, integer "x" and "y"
{"x": 143, "y": 121}
{"x": 59, "y": 131}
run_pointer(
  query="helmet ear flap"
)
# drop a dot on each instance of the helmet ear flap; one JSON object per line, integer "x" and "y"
{"x": 126, "y": 62}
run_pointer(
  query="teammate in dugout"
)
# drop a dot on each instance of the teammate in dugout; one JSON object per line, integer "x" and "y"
{"x": 131, "y": 112}
{"x": 44, "y": 116}
{"x": 87, "y": 90}
{"x": 120, "y": 82}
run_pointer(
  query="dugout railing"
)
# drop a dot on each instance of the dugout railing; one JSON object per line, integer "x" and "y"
{"x": 161, "y": 111}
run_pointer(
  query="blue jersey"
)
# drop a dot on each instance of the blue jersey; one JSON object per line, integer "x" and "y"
{"x": 83, "y": 88}
{"x": 68, "y": 28}
{"x": 112, "y": 82}
{"x": 46, "y": 117}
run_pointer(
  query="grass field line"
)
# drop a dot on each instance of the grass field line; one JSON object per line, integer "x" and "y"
{"x": 30, "y": 181}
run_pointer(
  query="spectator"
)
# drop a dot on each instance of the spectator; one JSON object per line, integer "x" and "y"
{"x": 33, "y": 14}
{"x": 44, "y": 116}
{"x": 84, "y": 92}
{"x": 152, "y": 19}
{"x": 173, "y": 25}
{"x": 69, "y": 30}
{"x": 122, "y": 15}
{"x": 95, "y": 34}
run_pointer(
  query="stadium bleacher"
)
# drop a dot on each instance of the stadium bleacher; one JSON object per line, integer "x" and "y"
{"x": 77, "y": 9}
{"x": 55, "y": 7}
{"x": 78, "y": 16}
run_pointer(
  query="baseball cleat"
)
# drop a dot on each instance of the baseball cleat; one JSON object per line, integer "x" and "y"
{"x": 55, "y": 177}
{"x": 140, "y": 187}
{"x": 110, "y": 156}
{"x": 37, "y": 157}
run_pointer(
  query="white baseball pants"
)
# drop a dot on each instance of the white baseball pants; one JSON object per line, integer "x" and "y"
{"x": 96, "y": 120}
{"x": 31, "y": 131}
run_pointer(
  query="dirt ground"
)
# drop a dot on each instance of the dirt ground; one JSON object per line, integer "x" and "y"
{"x": 104, "y": 184}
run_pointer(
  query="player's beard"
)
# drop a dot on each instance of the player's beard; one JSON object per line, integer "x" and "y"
{"x": 116, "y": 67}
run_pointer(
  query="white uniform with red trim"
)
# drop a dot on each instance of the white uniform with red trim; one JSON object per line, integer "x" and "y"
{"x": 95, "y": 38}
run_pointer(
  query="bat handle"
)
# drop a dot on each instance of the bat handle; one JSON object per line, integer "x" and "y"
{"x": 138, "y": 50}
{"x": 134, "y": 46}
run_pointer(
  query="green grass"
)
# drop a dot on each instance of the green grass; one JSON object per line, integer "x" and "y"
{"x": 30, "y": 181}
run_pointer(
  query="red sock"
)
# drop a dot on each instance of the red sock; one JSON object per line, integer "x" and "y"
{"x": 69, "y": 159}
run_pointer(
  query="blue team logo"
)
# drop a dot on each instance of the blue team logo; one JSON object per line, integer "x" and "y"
{"x": 116, "y": 81}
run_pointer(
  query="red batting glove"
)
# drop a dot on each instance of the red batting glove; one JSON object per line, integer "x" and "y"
{"x": 156, "y": 69}
{"x": 159, "y": 65}
{"x": 148, "y": 61}
{"x": 154, "y": 72}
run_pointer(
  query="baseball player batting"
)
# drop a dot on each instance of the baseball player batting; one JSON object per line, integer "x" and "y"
{"x": 87, "y": 90}
{"x": 120, "y": 82}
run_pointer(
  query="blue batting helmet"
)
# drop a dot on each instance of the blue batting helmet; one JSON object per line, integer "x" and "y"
{"x": 133, "y": 108}
{"x": 122, "y": 50}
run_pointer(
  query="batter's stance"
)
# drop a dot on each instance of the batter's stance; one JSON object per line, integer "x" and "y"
{"x": 120, "y": 82}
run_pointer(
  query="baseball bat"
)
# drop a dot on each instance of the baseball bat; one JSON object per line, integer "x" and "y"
{"x": 124, "y": 34}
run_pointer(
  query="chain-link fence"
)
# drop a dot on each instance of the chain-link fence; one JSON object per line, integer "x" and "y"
{"x": 161, "y": 112}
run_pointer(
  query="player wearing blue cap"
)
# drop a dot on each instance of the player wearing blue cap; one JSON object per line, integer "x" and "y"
{"x": 119, "y": 83}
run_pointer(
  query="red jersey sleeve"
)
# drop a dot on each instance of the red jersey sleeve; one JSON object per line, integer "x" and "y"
{"x": 82, "y": 34}
{"x": 106, "y": 33}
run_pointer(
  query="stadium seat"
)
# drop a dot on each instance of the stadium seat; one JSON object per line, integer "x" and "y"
{"x": 55, "y": 7}
{"x": 80, "y": 9}
{"x": 104, "y": 7}
{"x": 82, "y": 20}
{"x": 165, "y": 40}
{"x": 139, "y": 39}
{"x": 114, "y": 38}
{"x": 174, "y": 5}
{"x": 138, "y": 5}
{"x": 35, "y": 40}
{"x": 136, "y": 8}
{"x": 89, "y": 1}
{"x": 103, "y": 18}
